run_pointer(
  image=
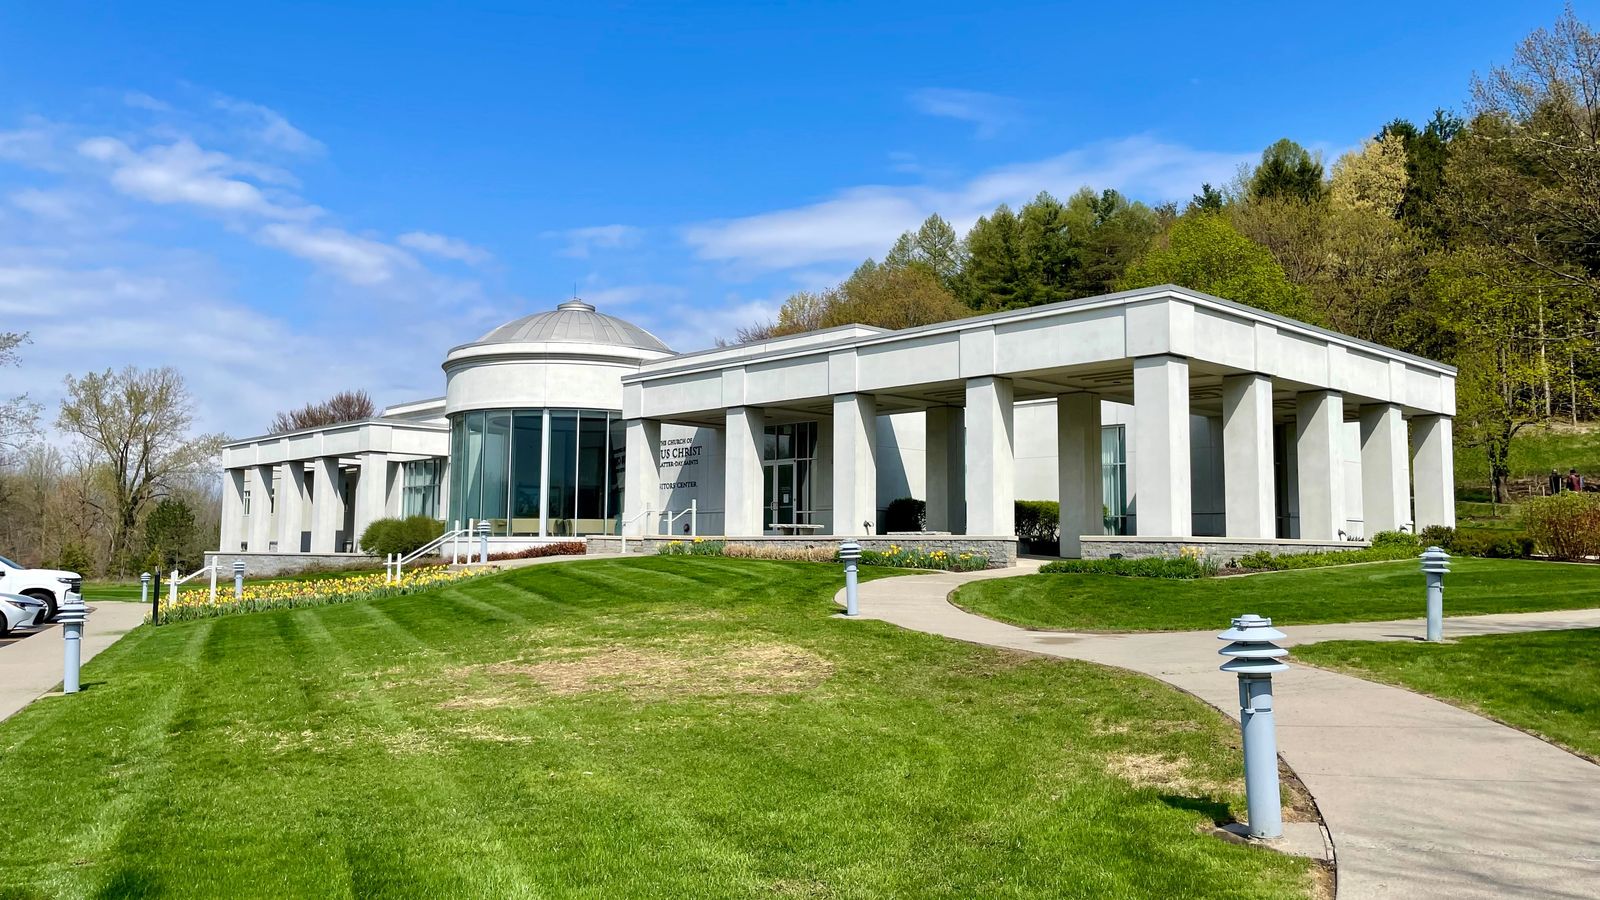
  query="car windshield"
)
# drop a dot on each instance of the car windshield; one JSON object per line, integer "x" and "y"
{"x": 8, "y": 563}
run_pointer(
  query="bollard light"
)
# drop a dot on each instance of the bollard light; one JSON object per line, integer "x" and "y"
{"x": 483, "y": 542}
{"x": 849, "y": 553}
{"x": 238, "y": 579}
{"x": 1254, "y": 657}
{"x": 72, "y": 616}
{"x": 1435, "y": 562}
{"x": 144, "y": 588}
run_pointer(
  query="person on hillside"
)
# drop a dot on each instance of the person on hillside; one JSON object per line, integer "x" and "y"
{"x": 1574, "y": 480}
{"x": 1555, "y": 482}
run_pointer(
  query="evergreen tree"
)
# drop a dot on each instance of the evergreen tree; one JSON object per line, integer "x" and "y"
{"x": 995, "y": 275}
{"x": 1287, "y": 170}
{"x": 1208, "y": 200}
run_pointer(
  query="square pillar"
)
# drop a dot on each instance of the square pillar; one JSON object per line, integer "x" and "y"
{"x": 1385, "y": 473}
{"x": 259, "y": 479}
{"x": 290, "y": 501}
{"x": 233, "y": 523}
{"x": 642, "y": 468}
{"x": 1249, "y": 497}
{"x": 743, "y": 483}
{"x": 991, "y": 457}
{"x": 855, "y": 464}
{"x": 1161, "y": 479}
{"x": 1080, "y": 490}
{"x": 1319, "y": 415}
{"x": 327, "y": 505}
{"x": 372, "y": 493}
{"x": 943, "y": 470}
{"x": 394, "y": 499}
{"x": 1433, "y": 467}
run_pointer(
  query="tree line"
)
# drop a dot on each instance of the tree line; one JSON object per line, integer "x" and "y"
{"x": 1470, "y": 238}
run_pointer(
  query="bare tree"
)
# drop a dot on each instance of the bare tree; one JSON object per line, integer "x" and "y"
{"x": 19, "y": 416}
{"x": 136, "y": 427}
{"x": 345, "y": 406}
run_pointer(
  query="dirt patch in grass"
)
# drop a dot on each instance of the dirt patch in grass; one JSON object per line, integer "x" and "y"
{"x": 650, "y": 672}
{"x": 1161, "y": 772}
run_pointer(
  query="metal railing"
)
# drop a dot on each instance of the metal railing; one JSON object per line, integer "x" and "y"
{"x": 671, "y": 518}
{"x": 172, "y": 586}
{"x": 394, "y": 564}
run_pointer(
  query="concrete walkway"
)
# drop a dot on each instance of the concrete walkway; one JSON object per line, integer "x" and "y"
{"x": 30, "y": 665}
{"x": 1423, "y": 800}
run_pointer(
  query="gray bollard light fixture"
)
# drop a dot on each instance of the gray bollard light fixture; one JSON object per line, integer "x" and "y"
{"x": 144, "y": 587}
{"x": 1435, "y": 562}
{"x": 72, "y": 616}
{"x": 849, "y": 554}
{"x": 1254, "y": 657}
{"x": 238, "y": 579}
{"x": 483, "y": 542}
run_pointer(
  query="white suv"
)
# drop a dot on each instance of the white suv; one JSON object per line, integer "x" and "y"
{"x": 48, "y": 586}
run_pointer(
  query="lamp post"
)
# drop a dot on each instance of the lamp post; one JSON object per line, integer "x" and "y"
{"x": 144, "y": 587}
{"x": 483, "y": 541}
{"x": 238, "y": 579}
{"x": 849, "y": 553}
{"x": 1435, "y": 562}
{"x": 1254, "y": 657}
{"x": 72, "y": 616}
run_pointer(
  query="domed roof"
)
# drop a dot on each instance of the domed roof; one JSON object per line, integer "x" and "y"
{"x": 575, "y": 322}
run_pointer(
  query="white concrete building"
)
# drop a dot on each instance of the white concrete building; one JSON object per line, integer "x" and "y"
{"x": 1156, "y": 417}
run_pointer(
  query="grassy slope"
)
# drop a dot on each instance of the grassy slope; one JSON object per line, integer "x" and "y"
{"x": 1342, "y": 594}
{"x": 749, "y": 745}
{"x": 1534, "y": 452}
{"x": 1547, "y": 682}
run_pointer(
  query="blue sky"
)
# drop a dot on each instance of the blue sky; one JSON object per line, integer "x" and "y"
{"x": 287, "y": 199}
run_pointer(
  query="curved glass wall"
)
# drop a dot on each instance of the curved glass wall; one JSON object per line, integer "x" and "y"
{"x": 553, "y": 472}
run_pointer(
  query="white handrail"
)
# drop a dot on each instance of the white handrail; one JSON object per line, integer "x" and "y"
{"x": 622, "y": 527}
{"x": 693, "y": 512}
{"x": 399, "y": 561}
{"x": 172, "y": 592}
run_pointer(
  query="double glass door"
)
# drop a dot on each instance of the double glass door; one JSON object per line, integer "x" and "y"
{"x": 780, "y": 494}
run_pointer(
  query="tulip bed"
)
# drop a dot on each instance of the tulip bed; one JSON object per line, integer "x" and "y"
{"x": 196, "y": 603}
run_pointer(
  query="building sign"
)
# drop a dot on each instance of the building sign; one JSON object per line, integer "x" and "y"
{"x": 680, "y": 453}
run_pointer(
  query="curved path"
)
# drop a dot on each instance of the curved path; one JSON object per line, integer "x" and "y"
{"x": 1422, "y": 799}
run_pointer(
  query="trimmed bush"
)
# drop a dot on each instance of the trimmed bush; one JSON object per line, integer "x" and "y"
{"x": 696, "y": 547}
{"x": 1149, "y": 567}
{"x": 1262, "y": 561}
{"x": 1565, "y": 526}
{"x": 906, "y": 514}
{"x": 1437, "y": 536}
{"x": 788, "y": 554}
{"x": 386, "y": 536}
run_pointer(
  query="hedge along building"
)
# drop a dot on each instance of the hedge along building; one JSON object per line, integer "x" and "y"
{"x": 1158, "y": 417}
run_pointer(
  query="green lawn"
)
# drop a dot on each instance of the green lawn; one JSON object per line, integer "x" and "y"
{"x": 108, "y": 589}
{"x": 1377, "y": 591}
{"x": 1544, "y": 682}
{"x": 660, "y": 727}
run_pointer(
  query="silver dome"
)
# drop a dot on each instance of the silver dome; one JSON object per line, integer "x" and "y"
{"x": 575, "y": 322}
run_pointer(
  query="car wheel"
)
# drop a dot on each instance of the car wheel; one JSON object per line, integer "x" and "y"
{"x": 48, "y": 600}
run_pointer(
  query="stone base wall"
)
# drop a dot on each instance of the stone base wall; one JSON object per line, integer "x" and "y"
{"x": 1221, "y": 551}
{"x": 1001, "y": 551}
{"x": 261, "y": 565}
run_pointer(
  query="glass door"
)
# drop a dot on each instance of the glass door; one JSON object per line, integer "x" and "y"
{"x": 780, "y": 495}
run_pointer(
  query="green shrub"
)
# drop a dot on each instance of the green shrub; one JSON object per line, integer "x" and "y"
{"x": 1437, "y": 536}
{"x": 1038, "y": 521}
{"x": 1148, "y": 567}
{"x": 560, "y": 548}
{"x": 1396, "y": 539}
{"x": 75, "y": 558}
{"x": 1262, "y": 561}
{"x": 915, "y": 558}
{"x": 696, "y": 547}
{"x": 1565, "y": 526}
{"x": 386, "y": 536}
{"x": 906, "y": 514}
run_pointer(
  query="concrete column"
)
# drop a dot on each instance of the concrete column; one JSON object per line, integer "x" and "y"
{"x": 742, "y": 475}
{"x": 259, "y": 479}
{"x": 1385, "y": 475}
{"x": 1249, "y": 505}
{"x": 372, "y": 493}
{"x": 394, "y": 498}
{"x": 1433, "y": 467}
{"x": 642, "y": 486}
{"x": 855, "y": 464}
{"x": 1161, "y": 479}
{"x": 291, "y": 505}
{"x": 1319, "y": 415}
{"x": 944, "y": 470}
{"x": 233, "y": 525}
{"x": 991, "y": 457}
{"x": 1078, "y": 470}
{"x": 327, "y": 505}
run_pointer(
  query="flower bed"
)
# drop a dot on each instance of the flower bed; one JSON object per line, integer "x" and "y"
{"x": 896, "y": 556}
{"x": 1148, "y": 567}
{"x": 696, "y": 547}
{"x": 912, "y": 558}
{"x": 196, "y": 603}
{"x": 563, "y": 548}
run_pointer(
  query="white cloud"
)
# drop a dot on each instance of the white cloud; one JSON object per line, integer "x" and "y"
{"x": 625, "y": 294}
{"x": 581, "y": 241}
{"x": 270, "y": 127}
{"x": 444, "y": 247}
{"x": 184, "y": 173}
{"x": 863, "y": 221}
{"x": 990, "y": 113}
{"x": 56, "y": 205}
{"x": 358, "y": 260}
{"x": 141, "y": 100}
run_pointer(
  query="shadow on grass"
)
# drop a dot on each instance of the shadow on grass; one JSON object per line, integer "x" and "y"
{"x": 1211, "y": 808}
